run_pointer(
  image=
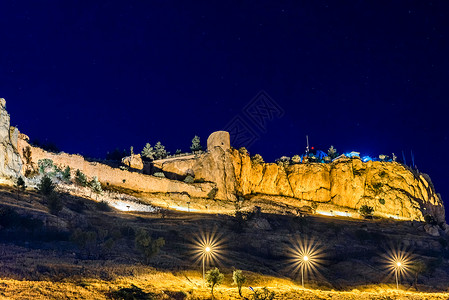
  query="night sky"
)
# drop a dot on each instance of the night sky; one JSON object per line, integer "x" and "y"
{"x": 368, "y": 76}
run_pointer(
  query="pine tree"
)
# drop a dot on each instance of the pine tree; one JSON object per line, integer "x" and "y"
{"x": 95, "y": 186}
{"x": 332, "y": 152}
{"x": 46, "y": 186}
{"x": 20, "y": 185}
{"x": 80, "y": 178}
{"x": 160, "y": 151}
{"x": 66, "y": 174}
{"x": 148, "y": 151}
{"x": 196, "y": 144}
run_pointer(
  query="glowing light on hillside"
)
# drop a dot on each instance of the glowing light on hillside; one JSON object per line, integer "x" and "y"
{"x": 397, "y": 263}
{"x": 207, "y": 249}
{"x": 306, "y": 258}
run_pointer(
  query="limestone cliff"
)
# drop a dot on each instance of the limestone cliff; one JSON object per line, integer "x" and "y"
{"x": 392, "y": 189}
{"x": 223, "y": 173}
{"x": 10, "y": 161}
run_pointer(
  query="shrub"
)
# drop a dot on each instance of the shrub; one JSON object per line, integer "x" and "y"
{"x": 45, "y": 166}
{"x": 132, "y": 293}
{"x": 176, "y": 295}
{"x": 377, "y": 186}
{"x": 189, "y": 179}
{"x": 46, "y": 186}
{"x": 243, "y": 151}
{"x": 264, "y": 294}
{"x": 296, "y": 159}
{"x": 159, "y": 174}
{"x": 147, "y": 246}
{"x": 214, "y": 278}
{"x": 366, "y": 211}
{"x": 66, "y": 174}
{"x": 239, "y": 280}
{"x": 257, "y": 159}
{"x": 80, "y": 178}
{"x": 95, "y": 186}
{"x": 283, "y": 161}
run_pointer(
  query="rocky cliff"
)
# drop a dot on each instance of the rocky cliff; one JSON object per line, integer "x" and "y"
{"x": 392, "y": 189}
{"x": 340, "y": 187}
{"x": 10, "y": 161}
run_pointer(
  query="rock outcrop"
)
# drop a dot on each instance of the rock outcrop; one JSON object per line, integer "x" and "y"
{"x": 343, "y": 186}
{"x": 134, "y": 161}
{"x": 10, "y": 161}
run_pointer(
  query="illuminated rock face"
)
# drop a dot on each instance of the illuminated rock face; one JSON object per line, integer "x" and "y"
{"x": 338, "y": 188}
{"x": 134, "y": 161}
{"x": 10, "y": 161}
{"x": 219, "y": 139}
{"x": 389, "y": 187}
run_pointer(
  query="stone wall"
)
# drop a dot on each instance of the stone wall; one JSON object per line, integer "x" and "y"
{"x": 117, "y": 177}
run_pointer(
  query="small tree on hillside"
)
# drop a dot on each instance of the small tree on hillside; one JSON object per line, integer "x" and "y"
{"x": 20, "y": 185}
{"x": 148, "y": 152}
{"x": 239, "y": 280}
{"x": 214, "y": 278}
{"x": 131, "y": 150}
{"x": 28, "y": 161}
{"x": 46, "y": 186}
{"x": 147, "y": 246}
{"x": 196, "y": 144}
{"x": 160, "y": 151}
{"x": 66, "y": 174}
{"x": 80, "y": 178}
{"x": 95, "y": 186}
{"x": 332, "y": 152}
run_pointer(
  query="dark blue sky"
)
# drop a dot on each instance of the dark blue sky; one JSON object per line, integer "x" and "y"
{"x": 370, "y": 76}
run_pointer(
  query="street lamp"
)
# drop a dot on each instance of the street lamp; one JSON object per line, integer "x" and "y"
{"x": 206, "y": 252}
{"x": 397, "y": 269}
{"x": 397, "y": 261}
{"x": 207, "y": 249}
{"x": 306, "y": 257}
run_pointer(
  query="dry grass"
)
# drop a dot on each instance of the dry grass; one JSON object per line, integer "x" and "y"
{"x": 190, "y": 282}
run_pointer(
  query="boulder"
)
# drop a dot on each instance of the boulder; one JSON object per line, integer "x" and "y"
{"x": 219, "y": 139}
{"x": 133, "y": 161}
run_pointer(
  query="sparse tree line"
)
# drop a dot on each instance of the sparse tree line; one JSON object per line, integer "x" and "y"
{"x": 154, "y": 152}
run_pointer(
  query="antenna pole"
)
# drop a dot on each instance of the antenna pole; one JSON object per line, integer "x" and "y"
{"x": 307, "y": 148}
